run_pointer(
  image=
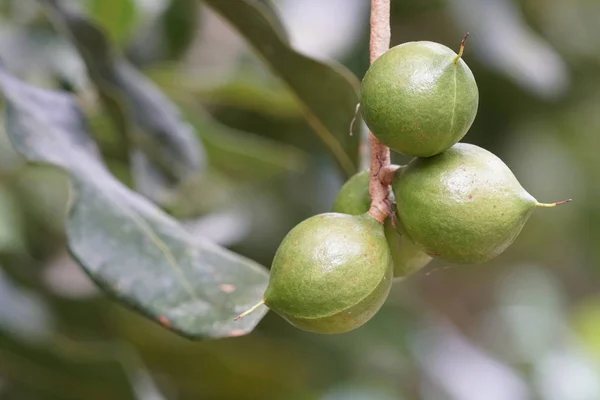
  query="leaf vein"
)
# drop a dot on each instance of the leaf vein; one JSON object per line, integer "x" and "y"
{"x": 162, "y": 246}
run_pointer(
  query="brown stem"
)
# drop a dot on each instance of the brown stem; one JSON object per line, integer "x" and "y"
{"x": 380, "y": 154}
{"x": 388, "y": 173}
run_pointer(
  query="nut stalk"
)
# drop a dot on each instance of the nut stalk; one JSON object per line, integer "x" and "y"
{"x": 380, "y": 154}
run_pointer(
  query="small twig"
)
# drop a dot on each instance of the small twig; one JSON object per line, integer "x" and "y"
{"x": 380, "y": 154}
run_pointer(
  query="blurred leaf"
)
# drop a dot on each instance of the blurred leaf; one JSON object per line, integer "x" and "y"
{"x": 36, "y": 52}
{"x": 243, "y": 154}
{"x": 42, "y": 194}
{"x": 117, "y": 17}
{"x": 275, "y": 19}
{"x": 158, "y": 131}
{"x": 245, "y": 93}
{"x": 180, "y": 22}
{"x": 58, "y": 376}
{"x": 59, "y": 368}
{"x": 190, "y": 201}
{"x": 169, "y": 36}
{"x": 246, "y": 90}
{"x": 22, "y": 312}
{"x": 107, "y": 130}
{"x": 130, "y": 248}
{"x": 246, "y": 154}
{"x": 327, "y": 94}
{"x": 265, "y": 366}
{"x": 12, "y": 235}
{"x": 9, "y": 158}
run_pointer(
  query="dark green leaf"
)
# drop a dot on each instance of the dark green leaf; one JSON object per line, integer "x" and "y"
{"x": 169, "y": 36}
{"x": 118, "y": 17}
{"x": 129, "y": 247}
{"x": 270, "y": 9}
{"x": 327, "y": 94}
{"x": 180, "y": 22}
{"x": 158, "y": 130}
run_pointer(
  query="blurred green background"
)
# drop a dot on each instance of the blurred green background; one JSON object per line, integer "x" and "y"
{"x": 523, "y": 326}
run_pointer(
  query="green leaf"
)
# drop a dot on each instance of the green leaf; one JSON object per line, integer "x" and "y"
{"x": 247, "y": 93}
{"x": 130, "y": 248}
{"x": 327, "y": 93}
{"x": 180, "y": 23}
{"x": 117, "y": 17}
{"x": 169, "y": 35}
{"x": 12, "y": 232}
{"x": 246, "y": 90}
{"x": 150, "y": 121}
{"x": 273, "y": 15}
{"x": 243, "y": 154}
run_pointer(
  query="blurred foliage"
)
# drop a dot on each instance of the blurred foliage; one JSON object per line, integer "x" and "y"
{"x": 524, "y": 326}
{"x": 127, "y": 246}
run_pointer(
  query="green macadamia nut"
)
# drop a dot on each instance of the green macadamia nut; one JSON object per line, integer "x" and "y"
{"x": 419, "y": 98}
{"x": 354, "y": 199}
{"x": 331, "y": 273}
{"x": 464, "y": 205}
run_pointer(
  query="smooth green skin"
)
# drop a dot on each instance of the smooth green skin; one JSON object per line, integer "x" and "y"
{"x": 354, "y": 199}
{"x": 464, "y": 206}
{"x": 408, "y": 257}
{"x": 417, "y": 100}
{"x": 331, "y": 273}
